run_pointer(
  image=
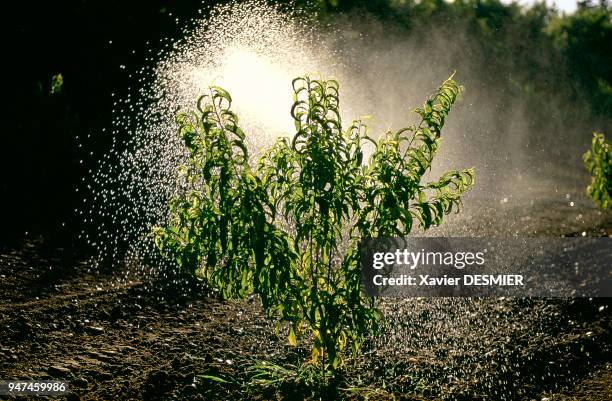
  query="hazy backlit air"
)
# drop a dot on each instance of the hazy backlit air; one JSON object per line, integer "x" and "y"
{"x": 255, "y": 50}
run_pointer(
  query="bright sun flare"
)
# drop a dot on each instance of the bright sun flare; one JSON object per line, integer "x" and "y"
{"x": 259, "y": 87}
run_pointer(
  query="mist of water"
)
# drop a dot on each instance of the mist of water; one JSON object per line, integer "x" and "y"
{"x": 254, "y": 51}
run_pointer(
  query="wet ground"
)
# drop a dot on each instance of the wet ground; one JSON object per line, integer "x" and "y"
{"x": 124, "y": 335}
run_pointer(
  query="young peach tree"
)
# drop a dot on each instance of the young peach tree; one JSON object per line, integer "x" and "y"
{"x": 288, "y": 228}
{"x": 598, "y": 162}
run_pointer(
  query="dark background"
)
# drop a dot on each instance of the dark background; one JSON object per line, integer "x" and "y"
{"x": 87, "y": 41}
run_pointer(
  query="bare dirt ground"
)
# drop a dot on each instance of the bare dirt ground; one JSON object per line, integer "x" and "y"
{"x": 115, "y": 339}
{"x": 119, "y": 335}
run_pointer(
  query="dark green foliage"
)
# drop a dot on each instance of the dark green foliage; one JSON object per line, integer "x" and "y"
{"x": 586, "y": 38}
{"x": 598, "y": 162}
{"x": 288, "y": 229}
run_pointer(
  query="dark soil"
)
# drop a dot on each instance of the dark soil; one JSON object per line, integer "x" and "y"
{"x": 125, "y": 335}
{"x": 113, "y": 337}
{"x": 121, "y": 338}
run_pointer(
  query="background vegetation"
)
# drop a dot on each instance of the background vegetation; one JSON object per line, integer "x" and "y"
{"x": 598, "y": 161}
